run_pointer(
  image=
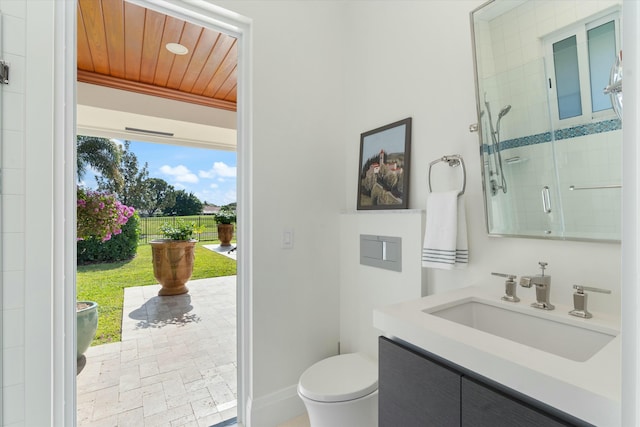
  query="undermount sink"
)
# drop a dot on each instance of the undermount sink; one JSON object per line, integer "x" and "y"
{"x": 572, "y": 339}
{"x": 566, "y": 362}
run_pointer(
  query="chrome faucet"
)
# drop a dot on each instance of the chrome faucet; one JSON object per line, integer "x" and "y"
{"x": 543, "y": 288}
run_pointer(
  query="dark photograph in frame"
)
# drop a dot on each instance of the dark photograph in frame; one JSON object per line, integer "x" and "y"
{"x": 383, "y": 172}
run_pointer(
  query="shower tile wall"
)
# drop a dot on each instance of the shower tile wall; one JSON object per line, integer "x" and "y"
{"x": 13, "y": 202}
{"x": 600, "y": 156}
{"x": 518, "y": 57}
{"x": 529, "y": 168}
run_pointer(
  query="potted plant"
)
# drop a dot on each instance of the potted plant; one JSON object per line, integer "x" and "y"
{"x": 225, "y": 218}
{"x": 99, "y": 216}
{"x": 173, "y": 256}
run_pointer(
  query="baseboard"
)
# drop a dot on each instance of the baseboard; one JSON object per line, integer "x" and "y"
{"x": 274, "y": 408}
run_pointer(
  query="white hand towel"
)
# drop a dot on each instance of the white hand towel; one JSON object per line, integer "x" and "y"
{"x": 445, "y": 239}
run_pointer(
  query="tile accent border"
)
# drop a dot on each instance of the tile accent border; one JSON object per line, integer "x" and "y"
{"x": 571, "y": 132}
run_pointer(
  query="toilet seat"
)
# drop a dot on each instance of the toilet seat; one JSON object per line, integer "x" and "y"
{"x": 339, "y": 378}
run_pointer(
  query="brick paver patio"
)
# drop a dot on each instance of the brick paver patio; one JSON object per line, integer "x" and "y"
{"x": 176, "y": 364}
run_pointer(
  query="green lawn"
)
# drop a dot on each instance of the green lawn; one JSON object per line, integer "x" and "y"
{"x": 105, "y": 283}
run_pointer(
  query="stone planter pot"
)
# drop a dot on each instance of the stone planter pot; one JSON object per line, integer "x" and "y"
{"x": 173, "y": 264}
{"x": 86, "y": 325}
{"x": 225, "y": 234}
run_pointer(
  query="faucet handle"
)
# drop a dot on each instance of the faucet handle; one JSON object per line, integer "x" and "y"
{"x": 508, "y": 276}
{"x": 509, "y": 287}
{"x": 581, "y": 289}
{"x": 543, "y": 266}
{"x": 580, "y": 300}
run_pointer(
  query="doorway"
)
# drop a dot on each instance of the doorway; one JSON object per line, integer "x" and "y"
{"x": 206, "y": 15}
{"x": 160, "y": 359}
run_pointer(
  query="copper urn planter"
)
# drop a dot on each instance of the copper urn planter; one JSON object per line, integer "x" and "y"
{"x": 225, "y": 234}
{"x": 173, "y": 264}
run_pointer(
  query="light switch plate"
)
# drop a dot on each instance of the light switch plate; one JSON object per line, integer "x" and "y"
{"x": 287, "y": 238}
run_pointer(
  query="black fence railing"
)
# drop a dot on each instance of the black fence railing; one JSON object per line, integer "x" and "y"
{"x": 150, "y": 227}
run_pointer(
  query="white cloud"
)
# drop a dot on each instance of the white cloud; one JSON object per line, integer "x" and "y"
{"x": 220, "y": 170}
{"x": 217, "y": 196}
{"x": 214, "y": 185}
{"x": 180, "y": 173}
{"x": 230, "y": 197}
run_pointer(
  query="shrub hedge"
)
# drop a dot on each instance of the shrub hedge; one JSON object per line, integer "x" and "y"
{"x": 119, "y": 248}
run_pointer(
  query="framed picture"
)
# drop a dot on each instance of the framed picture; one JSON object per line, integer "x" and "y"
{"x": 383, "y": 172}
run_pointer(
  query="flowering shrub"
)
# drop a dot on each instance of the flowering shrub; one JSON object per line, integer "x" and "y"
{"x": 100, "y": 215}
{"x": 122, "y": 247}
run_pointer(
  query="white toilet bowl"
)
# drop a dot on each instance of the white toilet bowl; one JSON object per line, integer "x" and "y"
{"x": 341, "y": 391}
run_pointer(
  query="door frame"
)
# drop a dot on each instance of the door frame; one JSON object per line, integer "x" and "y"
{"x": 202, "y": 13}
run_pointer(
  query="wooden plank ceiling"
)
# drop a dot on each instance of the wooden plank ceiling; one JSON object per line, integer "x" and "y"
{"x": 122, "y": 45}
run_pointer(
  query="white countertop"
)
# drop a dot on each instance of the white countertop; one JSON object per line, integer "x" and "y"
{"x": 588, "y": 390}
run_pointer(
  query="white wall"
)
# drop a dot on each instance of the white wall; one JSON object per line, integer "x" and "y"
{"x": 28, "y": 224}
{"x": 13, "y": 211}
{"x": 298, "y": 184}
{"x": 364, "y": 288}
{"x": 398, "y": 67}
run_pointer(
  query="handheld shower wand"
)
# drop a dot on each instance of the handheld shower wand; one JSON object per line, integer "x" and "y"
{"x": 505, "y": 110}
{"x": 495, "y": 138}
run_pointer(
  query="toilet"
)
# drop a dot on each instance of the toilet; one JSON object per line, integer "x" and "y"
{"x": 341, "y": 391}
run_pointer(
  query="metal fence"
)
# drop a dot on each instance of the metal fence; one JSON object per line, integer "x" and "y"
{"x": 150, "y": 227}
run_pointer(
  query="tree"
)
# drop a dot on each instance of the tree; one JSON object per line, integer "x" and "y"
{"x": 132, "y": 189}
{"x": 186, "y": 204}
{"x": 102, "y": 154}
{"x": 159, "y": 195}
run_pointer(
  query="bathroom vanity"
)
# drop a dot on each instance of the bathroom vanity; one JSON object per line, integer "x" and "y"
{"x": 468, "y": 358}
{"x": 417, "y": 388}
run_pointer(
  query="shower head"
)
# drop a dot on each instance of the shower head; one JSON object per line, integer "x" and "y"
{"x": 505, "y": 110}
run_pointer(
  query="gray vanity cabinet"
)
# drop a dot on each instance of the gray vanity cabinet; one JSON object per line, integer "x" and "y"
{"x": 485, "y": 407}
{"x": 418, "y": 391}
{"x": 414, "y": 391}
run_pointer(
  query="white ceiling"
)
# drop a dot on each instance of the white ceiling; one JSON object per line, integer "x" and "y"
{"x": 106, "y": 112}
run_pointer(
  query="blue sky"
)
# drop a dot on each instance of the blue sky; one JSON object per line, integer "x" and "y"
{"x": 209, "y": 174}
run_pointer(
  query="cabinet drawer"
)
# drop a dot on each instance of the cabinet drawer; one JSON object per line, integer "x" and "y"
{"x": 483, "y": 406}
{"x": 414, "y": 391}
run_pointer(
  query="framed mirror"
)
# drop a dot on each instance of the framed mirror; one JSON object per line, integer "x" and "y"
{"x": 550, "y": 138}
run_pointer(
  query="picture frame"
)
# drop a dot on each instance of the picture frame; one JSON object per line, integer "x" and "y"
{"x": 383, "y": 170}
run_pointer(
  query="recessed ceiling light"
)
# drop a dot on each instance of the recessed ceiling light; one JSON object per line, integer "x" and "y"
{"x": 177, "y": 48}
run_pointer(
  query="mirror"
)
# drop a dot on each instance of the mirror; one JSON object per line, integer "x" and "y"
{"x": 550, "y": 138}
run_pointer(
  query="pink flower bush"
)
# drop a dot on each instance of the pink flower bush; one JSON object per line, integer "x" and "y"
{"x": 100, "y": 215}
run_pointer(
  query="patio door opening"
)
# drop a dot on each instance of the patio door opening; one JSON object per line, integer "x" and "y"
{"x": 180, "y": 358}
{"x": 160, "y": 359}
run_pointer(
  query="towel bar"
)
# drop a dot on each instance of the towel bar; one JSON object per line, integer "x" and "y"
{"x": 595, "y": 187}
{"x": 453, "y": 160}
